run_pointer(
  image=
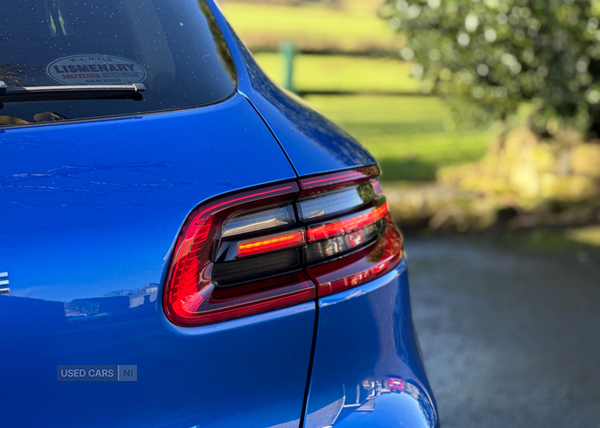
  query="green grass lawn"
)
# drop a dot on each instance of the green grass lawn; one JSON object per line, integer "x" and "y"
{"x": 405, "y": 133}
{"x": 343, "y": 73}
{"x": 312, "y": 26}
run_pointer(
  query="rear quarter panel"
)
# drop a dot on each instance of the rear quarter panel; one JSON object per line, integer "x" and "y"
{"x": 89, "y": 212}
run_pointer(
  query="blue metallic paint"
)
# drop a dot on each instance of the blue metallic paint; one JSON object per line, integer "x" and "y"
{"x": 88, "y": 213}
{"x": 364, "y": 336}
{"x": 365, "y": 333}
{"x": 313, "y": 143}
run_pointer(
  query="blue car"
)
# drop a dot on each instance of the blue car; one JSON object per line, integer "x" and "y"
{"x": 183, "y": 244}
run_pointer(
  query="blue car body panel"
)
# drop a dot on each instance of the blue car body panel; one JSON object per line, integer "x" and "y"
{"x": 88, "y": 214}
{"x": 365, "y": 334}
{"x": 364, "y": 337}
{"x": 313, "y": 143}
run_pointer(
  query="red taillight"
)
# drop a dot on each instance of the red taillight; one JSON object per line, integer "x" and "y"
{"x": 251, "y": 253}
{"x": 374, "y": 261}
{"x": 344, "y": 178}
{"x": 191, "y": 295}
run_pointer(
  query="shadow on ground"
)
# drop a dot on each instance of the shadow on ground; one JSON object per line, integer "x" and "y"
{"x": 509, "y": 336}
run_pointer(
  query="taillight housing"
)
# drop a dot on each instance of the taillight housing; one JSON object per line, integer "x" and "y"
{"x": 280, "y": 246}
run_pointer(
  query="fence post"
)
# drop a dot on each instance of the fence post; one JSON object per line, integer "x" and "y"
{"x": 288, "y": 53}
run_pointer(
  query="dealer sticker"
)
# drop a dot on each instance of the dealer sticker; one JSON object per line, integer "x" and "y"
{"x": 95, "y": 70}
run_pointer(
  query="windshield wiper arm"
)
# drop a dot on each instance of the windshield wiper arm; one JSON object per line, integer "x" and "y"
{"x": 77, "y": 92}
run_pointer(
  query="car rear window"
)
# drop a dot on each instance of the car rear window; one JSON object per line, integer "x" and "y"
{"x": 172, "y": 47}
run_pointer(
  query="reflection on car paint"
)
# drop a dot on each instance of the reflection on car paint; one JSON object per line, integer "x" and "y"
{"x": 111, "y": 303}
{"x": 95, "y": 212}
{"x": 368, "y": 391}
{"x": 365, "y": 352}
{"x": 395, "y": 384}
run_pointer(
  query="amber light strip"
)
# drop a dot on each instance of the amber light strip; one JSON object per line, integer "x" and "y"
{"x": 347, "y": 225}
{"x": 272, "y": 243}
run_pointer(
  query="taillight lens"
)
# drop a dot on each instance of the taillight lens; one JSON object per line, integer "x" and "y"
{"x": 280, "y": 246}
{"x": 193, "y": 297}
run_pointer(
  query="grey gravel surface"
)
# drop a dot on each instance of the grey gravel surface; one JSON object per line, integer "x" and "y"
{"x": 510, "y": 338}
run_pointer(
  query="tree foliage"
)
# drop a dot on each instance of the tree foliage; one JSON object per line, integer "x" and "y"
{"x": 489, "y": 56}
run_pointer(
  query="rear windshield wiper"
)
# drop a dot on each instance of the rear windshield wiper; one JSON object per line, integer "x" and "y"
{"x": 77, "y": 92}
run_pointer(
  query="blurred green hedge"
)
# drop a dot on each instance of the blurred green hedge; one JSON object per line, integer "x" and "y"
{"x": 486, "y": 57}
